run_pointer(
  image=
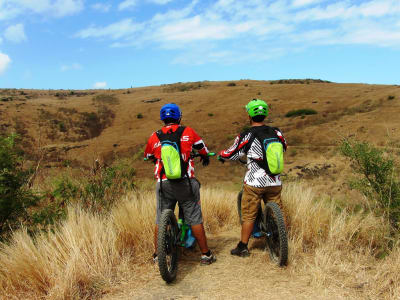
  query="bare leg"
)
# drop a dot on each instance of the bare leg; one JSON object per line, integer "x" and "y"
{"x": 155, "y": 238}
{"x": 247, "y": 229}
{"x": 200, "y": 235}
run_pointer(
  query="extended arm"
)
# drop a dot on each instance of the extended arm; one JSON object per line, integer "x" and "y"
{"x": 238, "y": 149}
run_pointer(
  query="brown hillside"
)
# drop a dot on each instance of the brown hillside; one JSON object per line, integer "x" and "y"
{"x": 81, "y": 126}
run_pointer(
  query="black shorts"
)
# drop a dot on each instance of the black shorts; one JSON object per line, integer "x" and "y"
{"x": 179, "y": 191}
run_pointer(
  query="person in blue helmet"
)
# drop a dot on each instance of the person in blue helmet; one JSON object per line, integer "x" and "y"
{"x": 186, "y": 188}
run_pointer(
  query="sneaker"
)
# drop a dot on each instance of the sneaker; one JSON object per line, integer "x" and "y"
{"x": 240, "y": 250}
{"x": 208, "y": 260}
{"x": 155, "y": 259}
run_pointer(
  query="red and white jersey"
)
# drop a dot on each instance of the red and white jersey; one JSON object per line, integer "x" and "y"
{"x": 189, "y": 140}
{"x": 246, "y": 144}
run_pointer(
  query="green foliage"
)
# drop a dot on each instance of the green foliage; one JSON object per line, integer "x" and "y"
{"x": 183, "y": 87}
{"x": 61, "y": 127}
{"x": 300, "y": 112}
{"x": 139, "y": 116}
{"x": 391, "y": 97}
{"x": 379, "y": 180}
{"x": 210, "y": 114}
{"x": 97, "y": 190}
{"x": 298, "y": 81}
{"x": 105, "y": 99}
{"x": 15, "y": 197}
{"x": 231, "y": 84}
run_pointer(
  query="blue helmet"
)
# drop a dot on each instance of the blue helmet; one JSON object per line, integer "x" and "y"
{"x": 170, "y": 111}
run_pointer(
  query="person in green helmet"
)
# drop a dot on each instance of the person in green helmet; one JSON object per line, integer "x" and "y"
{"x": 264, "y": 147}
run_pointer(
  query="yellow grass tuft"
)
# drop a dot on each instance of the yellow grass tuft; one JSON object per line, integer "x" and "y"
{"x": 88, "y": 254}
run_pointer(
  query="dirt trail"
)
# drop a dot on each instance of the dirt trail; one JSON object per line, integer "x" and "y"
{"x": 230, "y": 278}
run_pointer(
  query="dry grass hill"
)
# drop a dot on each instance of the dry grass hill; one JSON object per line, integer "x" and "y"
{"x": 339, "y": 247}
{"x": 78, "y": 127}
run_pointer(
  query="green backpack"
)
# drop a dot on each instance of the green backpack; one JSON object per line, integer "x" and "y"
{"x": 173, "y": 165}
{"x": 272, "y": 147}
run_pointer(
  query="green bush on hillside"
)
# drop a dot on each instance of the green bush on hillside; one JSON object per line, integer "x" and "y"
{"x": 379, "y": 180}
{"x": 97, "y": 190}
{"x": 105, "y": 99}
{"x": 300, "y": 112}
{"x": 15, "y": 196}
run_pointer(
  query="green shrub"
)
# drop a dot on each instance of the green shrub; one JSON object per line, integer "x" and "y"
{"x": 379, "y": 180}
{"x": 15, "y": 196}
{"x": 210, "y": 114}
{"x": 300, "y": 112}
{"x": 106, "y": 99}
{"x": 98, "y": 189}
{"x": 391, "y": 97}
{"x": 231, "y": 84}
{"x": 183, "y": 87}
{"x": 139, "y": 116}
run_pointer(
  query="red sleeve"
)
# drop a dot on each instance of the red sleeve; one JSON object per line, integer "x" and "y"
{"x": 281, "y": 138}
{"x": 152, "y": 144}
{"x": 196, "y": 141}
{"x": 239, "y": 147}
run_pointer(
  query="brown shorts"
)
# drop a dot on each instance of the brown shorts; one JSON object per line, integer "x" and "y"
{"x": 252, "y": 196}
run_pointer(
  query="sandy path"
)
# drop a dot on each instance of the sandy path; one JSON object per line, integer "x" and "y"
{"x": 229, "y": 278}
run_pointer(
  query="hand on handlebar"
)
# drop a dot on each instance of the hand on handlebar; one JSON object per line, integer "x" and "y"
{"x": 205, "y": 160}
{"x": 220, "y": 159}
{"x": 151, "y": 158}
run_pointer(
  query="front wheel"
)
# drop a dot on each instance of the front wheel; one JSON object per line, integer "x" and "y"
{"x": 167, "y": 249}
{"x": 276, "y": 233}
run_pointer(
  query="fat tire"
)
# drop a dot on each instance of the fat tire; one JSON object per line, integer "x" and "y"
{"x": 167, "y": 237}
{"x": 278, "y": 233}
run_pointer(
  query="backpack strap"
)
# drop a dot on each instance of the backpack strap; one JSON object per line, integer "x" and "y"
{"x": 256, "y": 132}
{"x": 177, "y": 136}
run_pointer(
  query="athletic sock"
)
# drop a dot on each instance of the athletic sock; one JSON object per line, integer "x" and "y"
{"x": 208, "y": 253}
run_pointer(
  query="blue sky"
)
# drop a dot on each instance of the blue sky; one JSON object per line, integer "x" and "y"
{"x": 82, "y": 44}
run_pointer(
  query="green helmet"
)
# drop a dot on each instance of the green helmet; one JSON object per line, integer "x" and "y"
{"x": 257, "y": 107}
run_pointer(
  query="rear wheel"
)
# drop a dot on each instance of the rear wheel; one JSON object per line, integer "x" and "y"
{"x": 275, "y": 233}
{"x": 167, "y": 249}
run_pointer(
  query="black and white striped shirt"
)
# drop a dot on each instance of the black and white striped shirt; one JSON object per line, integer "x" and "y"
{"x": 246, "y": 144}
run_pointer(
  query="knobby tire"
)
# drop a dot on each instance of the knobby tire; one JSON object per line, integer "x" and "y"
{"x": 167, "y": 249}
{"x": 276, "y": 234}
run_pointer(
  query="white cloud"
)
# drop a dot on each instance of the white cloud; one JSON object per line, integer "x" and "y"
{"x": 5, "y": 61}
{"x": 100, "y": 85}
{"x": 73, "y": 66}
{"x": 102, "y": 7}
{"x": 298, "y": 3}
{"x": 161, "y": 2}
{"x": 132, "y": 3}
{"x": 126, "y": 4}
{"x": 15, "y": 33}
{"x": 114, "y": 31}
{"x": 222, "y": 30}
{"x": 10, "y": 9}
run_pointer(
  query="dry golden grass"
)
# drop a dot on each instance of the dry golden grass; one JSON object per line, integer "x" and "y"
{"x": 89, "y": 255}
{"x": 340, "y": 248}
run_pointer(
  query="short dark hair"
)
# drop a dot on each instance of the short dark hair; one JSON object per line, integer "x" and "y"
{"x": 258, "y": 118}
{"x": 171, "y": 120}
